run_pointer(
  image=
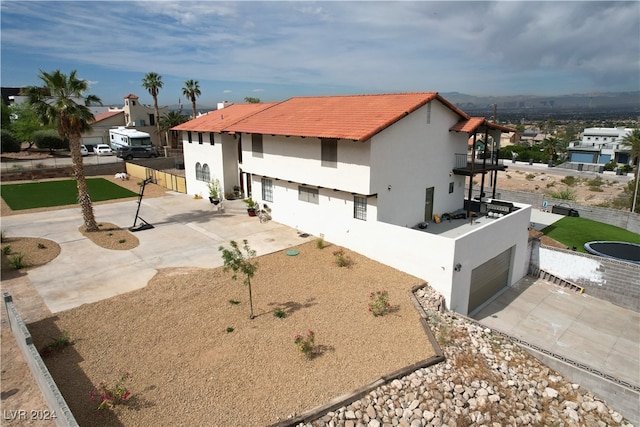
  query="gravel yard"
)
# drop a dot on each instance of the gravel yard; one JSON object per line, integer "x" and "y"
{"x": 187, "y": 369}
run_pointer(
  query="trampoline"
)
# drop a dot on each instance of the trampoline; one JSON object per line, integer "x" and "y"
{"x": 621, "y": 251}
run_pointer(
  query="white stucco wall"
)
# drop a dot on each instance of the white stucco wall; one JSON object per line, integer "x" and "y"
{"x": 204, "y": 153}
{"x": 414, "y": 154}
{"x": 429, "y": 257}
{"x": 570, "y": 267}
{"x": 299, "y": 160}
{"x": 485, "y": 243}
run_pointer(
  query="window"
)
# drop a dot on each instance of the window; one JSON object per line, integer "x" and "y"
{"x": 206, "y": 175}
{"x": 211, "y": 140}
{"x": 329, "y": 153}
{"x": 309, "y": 195}
{"x": 450, "y": 187}
{"x": 189, "y": 137}
{"x": 200, "y": 138}
{"x": 267, "y": 190}
{"x": 256, "y": 144}
{"x": 360, "y": 208}
{"x": 202, "y": 172}
{"x": 152, "y": 120}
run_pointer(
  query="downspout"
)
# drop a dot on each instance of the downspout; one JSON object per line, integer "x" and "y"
{"x": 470, "y": 197}
{"x": 495, "y": 172}
{"x": 484, "y": 162}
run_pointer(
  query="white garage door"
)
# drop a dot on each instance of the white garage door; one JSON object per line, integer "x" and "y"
{"x": 489, "y": 278}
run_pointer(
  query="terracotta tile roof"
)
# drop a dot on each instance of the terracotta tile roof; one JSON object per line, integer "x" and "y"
{"x": 106, "y": 115}
{"x": 473, "y": 124}
{"x": 131, "y": 96}
{"x": 219, "y": 120}
{"x": 354, "y": 117}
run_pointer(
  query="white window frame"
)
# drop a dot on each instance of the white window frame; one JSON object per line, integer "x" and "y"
{"x": 267, "y": 190}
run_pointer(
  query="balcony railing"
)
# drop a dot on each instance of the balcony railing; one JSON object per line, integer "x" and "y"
{"x": 465, "y": 160}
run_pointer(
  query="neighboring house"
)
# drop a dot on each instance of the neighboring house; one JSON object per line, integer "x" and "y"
{"x": 368, "y": 172}
{"x": 600, "y": 146}
{"x": 133, "y": 114}
{"x": 99, "y": 133}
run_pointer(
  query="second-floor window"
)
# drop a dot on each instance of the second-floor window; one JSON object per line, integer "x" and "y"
{"x": 309, "y": 195}
{"x": 329, "y": 153}
{"x": 211, "y": 140}
{"x": 200, "y": 138}
{"x": 256, "y": 144}
{"x": 189, "y": 137}
{"x": 267, "y": 190}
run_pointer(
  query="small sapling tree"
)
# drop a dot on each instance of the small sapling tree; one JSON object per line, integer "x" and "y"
{"x": 240, "y": 260}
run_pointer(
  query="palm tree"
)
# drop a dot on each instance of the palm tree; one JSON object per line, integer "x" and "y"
{"x": 552, "y": 144}
{"x": 171, "y": 119}
{"x": 153, "y": 83}
{"x": 55, "y": 104}
{"x": 632, "y": 140}
{"x": 191, "y": 90}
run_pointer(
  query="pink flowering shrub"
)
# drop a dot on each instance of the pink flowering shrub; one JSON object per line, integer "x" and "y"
{"x": 379, "y": 303}
{"x": 109, "y": 397}
{"x": 305, "y": 343}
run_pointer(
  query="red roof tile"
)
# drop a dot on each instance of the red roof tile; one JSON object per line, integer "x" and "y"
{"x": 354, "y": 117}
{"x": 219, "y": 120}
{"x": 106, "y": 115}
{"x": 472, "y": 124}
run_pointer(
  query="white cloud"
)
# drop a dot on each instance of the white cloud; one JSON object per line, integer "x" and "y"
{"x": 388, "y": 46}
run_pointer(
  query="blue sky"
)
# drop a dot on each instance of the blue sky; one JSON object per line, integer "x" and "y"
{"x": 276, "y": 50}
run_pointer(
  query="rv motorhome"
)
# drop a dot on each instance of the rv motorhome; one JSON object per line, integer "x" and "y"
{"x": 127, "y": 137}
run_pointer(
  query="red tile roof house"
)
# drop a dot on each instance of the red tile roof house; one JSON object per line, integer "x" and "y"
{"x": 368, "y": 172}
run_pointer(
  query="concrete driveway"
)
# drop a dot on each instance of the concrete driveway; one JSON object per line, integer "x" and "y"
{"x": 187, "y": 233}
{"x": 587, "y": 330}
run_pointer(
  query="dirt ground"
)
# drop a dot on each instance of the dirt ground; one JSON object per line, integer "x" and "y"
{"x": 185, "y": 367}
{"x": 189, "y": 368}
{"x": 545, "y": 183}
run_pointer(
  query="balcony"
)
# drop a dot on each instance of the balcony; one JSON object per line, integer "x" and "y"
{"x": 467, "y": 166}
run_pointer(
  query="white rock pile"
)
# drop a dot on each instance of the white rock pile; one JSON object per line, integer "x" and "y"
{"x": 485, "y": 381}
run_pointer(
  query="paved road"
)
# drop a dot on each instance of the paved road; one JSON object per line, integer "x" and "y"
{"x": 558, "y": 171}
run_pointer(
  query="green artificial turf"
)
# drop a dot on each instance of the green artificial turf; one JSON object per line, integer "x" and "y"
{"x": 575, "y": 232}
{"x": 59, "y": 193}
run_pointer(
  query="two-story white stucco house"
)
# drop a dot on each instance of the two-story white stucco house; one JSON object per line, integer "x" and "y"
{"x": 601, "y": 146}
{"x": 370, "y": 173}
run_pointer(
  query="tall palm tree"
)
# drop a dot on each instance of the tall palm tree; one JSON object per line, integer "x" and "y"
{"x": 153, "y": 83}
{"x": 55, "y": 104}
{"x": 632, "y": 140}
{"x": 191, "y": 90}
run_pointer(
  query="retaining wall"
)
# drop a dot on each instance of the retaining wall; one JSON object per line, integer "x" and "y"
{"x": 614, "y": 281}
{"x": 60, "y": 411}
{"x": 623, "y": 219}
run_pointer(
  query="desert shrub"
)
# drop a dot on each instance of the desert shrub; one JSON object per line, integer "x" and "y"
{"x": 564, "y": 194}
{"x": 49, "y": 139}
{"x": 530, "y": 176}
{"x": 569, "y": 180}
{"x": 6, "y": 249}
{"x": 8, "y": 142}
{"x": 610, "y": 166}
{"x": 17, "y": 261}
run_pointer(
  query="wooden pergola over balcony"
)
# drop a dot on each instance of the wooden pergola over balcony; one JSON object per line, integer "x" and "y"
{"x": 480, "y": 161}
